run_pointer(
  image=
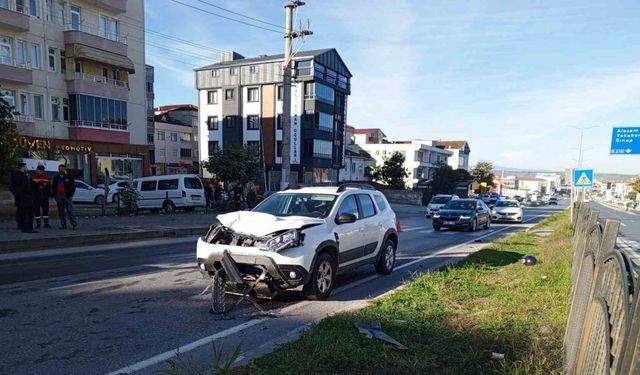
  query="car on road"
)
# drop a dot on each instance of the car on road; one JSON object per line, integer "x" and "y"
{"x": 86, "y": 193}
{"x": 300, "y": 238}
{"x": 438, "y": 201}
{"x": 553, "y": 200}
{"x": 467, "y": 214}
{"x": 507, "y": 210}
{"x": 114, "y": 190}
{"x": 170, "y": 192}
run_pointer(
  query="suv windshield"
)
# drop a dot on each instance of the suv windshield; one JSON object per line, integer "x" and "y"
{"x": 297, "y": 204}
{"x": 440, "y": 200}
{"x": 461, "y": 205}
{"x": 507, "y": 204}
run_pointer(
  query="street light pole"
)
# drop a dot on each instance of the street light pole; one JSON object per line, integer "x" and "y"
{"x": 580, "y": 160}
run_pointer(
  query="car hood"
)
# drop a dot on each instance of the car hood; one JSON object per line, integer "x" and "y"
{"x": 450, "y": 212}
{"x": 435, "y": 205}
{"x": 260, "y": 224}
{"x": 507, "y": 209}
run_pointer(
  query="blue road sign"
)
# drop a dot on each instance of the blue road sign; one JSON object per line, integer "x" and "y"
{"x": 625, "y": 141}
{"x": 583, "y": 177}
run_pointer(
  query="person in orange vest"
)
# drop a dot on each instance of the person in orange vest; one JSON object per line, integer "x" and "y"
{"x": 41, "y": 187}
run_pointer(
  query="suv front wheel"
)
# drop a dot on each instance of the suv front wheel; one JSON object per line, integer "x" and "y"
{"x": 323, "y": 277}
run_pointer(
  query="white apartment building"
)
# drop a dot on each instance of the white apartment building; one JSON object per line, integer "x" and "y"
{"x": 460, "y": 149}
{"x": 75, "y": 72}
{"x": 421, "y": 159}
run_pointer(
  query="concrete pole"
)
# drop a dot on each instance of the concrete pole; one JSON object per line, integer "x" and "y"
{"x": 286, "y": 98}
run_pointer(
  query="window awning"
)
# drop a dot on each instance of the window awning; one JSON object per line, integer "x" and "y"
{"x": 81, "y": 52}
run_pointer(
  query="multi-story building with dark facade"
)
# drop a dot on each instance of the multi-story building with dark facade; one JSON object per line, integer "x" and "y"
{"x": 240, "y": 102}
{"x": 75, "y": 73}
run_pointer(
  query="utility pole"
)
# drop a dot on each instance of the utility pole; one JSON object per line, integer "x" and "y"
{"x": 286, "y": 89}
{"x": 580, "y": 160}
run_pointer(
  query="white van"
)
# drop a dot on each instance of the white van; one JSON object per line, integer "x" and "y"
{"x": 169, "y": 192}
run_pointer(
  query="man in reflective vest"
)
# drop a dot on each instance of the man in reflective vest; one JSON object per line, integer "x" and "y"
{"x": 41, "y": 187}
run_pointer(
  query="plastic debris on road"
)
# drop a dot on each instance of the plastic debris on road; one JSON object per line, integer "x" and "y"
{"x": 374, "y": 330}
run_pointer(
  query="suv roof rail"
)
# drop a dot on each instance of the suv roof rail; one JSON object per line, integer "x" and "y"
{"x": 346, "y": 186}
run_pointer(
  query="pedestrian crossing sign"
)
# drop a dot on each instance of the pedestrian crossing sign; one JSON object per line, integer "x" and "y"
{"x": 583, "y": 177}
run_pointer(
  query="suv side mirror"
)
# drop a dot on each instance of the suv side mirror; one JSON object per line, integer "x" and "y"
{"x": 346, "y": 218}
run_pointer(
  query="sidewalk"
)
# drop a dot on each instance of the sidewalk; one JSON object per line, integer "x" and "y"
{"x": 104, "y": 230}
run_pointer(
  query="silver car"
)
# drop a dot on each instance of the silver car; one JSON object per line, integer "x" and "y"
{"x": 507, "y": 210}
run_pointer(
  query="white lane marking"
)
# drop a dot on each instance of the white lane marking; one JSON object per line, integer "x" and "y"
{"x": 426, "y": 231}
{"x": 623, "y": 224}
{"x": 207, "y": 340}
{"x": 187, "y": 348}
{"x": 410, "y": 229}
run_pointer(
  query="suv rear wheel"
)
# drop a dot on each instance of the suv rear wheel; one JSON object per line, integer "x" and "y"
{"x": 387, "y": 259}
{"x": 323, "y": 277}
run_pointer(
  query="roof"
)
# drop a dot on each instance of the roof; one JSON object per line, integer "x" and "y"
{"x": 450, "y": 144}
{"x": 355, "y": 150}
{"x": 366, "y": 130}
{"x": 265, "y": 58}
{"x": 173, "y": 107}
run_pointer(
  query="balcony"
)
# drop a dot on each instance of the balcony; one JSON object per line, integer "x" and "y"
{"x": 92, "y": 37}
{"x": 16, "y": 19}
{"x": 83, "y": 83}
{"x": 116, "y": 6}
{"x": 14, "y": 72}
{"x": 98, "y": 131}
{"x": 26, "y": 124}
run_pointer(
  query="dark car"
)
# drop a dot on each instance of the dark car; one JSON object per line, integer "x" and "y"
{"x": 463, "y": 213}
{"x": 553, "y": 200}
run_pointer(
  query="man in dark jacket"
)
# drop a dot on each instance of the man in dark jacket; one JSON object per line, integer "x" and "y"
{"x": 252, "y": 197}
{"x": 41, "y": 187}
{"x": 63, "y": 187}
{"x": 24, "y": 199}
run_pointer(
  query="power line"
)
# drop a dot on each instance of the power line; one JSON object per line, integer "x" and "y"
{"x": 241, "y": 15}
{"x": 225, "y": 17}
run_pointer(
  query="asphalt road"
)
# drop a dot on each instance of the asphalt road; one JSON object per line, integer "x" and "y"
{"x": 128, "y": 309}
{"x": 629, "y": 232}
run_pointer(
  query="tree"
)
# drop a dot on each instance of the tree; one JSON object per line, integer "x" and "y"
{"x": 444, "y": 181}
{"x": 392, "y": 172}
{"x": 236, "y": 163}
{"x": 635, "y": 185}
{"x": 482, "y": 173}
{"x": 8, "y": 149}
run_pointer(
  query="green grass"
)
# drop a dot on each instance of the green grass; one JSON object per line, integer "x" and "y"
{"x": 453, "y": 318}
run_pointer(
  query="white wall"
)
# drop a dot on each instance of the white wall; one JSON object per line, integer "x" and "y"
{"x": 206, "y": 110}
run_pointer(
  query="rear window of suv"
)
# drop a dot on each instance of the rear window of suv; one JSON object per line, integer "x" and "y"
{"x": 382, "y": 204}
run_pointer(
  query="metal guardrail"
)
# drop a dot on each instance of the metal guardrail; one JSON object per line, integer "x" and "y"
{"x": 97, "y": 124}
{"x": 603, "y": 328}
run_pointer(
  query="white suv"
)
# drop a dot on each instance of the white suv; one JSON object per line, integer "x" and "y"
{"x": 437, "y": 202}
{"x": 300, "y": 237}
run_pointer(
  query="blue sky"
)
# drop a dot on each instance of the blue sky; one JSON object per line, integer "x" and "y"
{"x": 509, "y": 77}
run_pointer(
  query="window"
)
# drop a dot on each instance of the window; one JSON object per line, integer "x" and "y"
{"x": 185, "y": 137}
{"x": 75, "y": 17}
{"x": 233, "y": 71}
{"x": 52, "y": 59}
{"x": 303, "y": 68}
{"x": 21, "y": 53}
{"x": 174, "y": 152}
{"x": 38, "y": 106}
{"x": 65, "y": 109}
{"x": 168, "y": 184}
{"x": 173, "y": 137}
{"x": 212, "y": 146}
{"x": 63, "y": 62}
{"x": 212, "y": 123}
{"x": 253, "y": 69}
{"x": 24, "y": 104}
{"x": 150, "y": 138}
{"x": 162, "y": 152}
{"x": 228, "y": 94}
{"x": 349, "y": 206}
{"x": 9, "y": 96}
{"x": 48, "y": 10}
{"x": 380, "y": 201}
{"x": 33, "y": 8}
{"x": 150, "y": 87}
{"x": 102, "y": 25}
{"x": 215, "y": 73}
{"x": 322, "y": 149}
{"x": 195, "y": 153}
{"x": 185, "y": 152}
{"x": 280, "y": 93}
{"x": 6, "y": 50}
{"x": 61, "y": 14}
{"x": 55, "y": 109}
{"x": 353, "y": 167}
{"x": 212, "y": 97}
{"x": 309, "y": 90}
{"x": 366, "y": 204}
{"x": 325, "y": 121}
{"x": 253, "y": 122}
{"x": 279, "y": 121}
{"x": 324, "y": 93}
{"x": 35, "y": 56}
{"x": 279, "y": 149}
{"x": 148, "y": 185}
{"x": 253, "y": 95}
{"x": 160, "y": 135}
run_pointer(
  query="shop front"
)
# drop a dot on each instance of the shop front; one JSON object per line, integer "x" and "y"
{"x": 88, "y": 160}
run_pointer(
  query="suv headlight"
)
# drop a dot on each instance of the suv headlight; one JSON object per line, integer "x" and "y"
{"x": 435, "y": 216}
{"x": 285, "y": 240}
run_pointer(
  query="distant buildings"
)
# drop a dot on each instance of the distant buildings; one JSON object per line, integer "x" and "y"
{"x": 240, "y": 101}
{"x": 176, "y": 139}
{"x": 460, "y": 149}
{"x": 357, "y": 162}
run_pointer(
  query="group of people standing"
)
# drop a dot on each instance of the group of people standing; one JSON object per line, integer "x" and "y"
{"x": 32, "y": 194}
{"x": 238, "y": 199}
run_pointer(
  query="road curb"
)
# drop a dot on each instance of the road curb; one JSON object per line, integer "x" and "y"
{"x": 96, "y": 239}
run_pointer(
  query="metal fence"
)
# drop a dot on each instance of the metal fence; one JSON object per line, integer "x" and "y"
{"x": 603, "y": 329}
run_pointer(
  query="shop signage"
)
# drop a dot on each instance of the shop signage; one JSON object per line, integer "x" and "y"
{"x": 46, "y": 144}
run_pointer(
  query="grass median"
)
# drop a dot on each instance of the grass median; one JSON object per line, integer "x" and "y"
{"x": 454, "y": 318}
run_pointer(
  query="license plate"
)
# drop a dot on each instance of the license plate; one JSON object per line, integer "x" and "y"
{"x": 449, "y": 222}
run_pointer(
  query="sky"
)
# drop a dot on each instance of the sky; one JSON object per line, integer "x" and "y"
{"x": 514, "y": 78}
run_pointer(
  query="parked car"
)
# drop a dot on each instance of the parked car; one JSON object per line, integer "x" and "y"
{"x": 301, "y": 237}
{"x": 86, "y": 193}
{"x": 169, "y": 192}
{"x": 463, "y": 213}
{"x": 114, "y": 189}
{"x": 438, "y": 201}
{"x": 507, "y": 210}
